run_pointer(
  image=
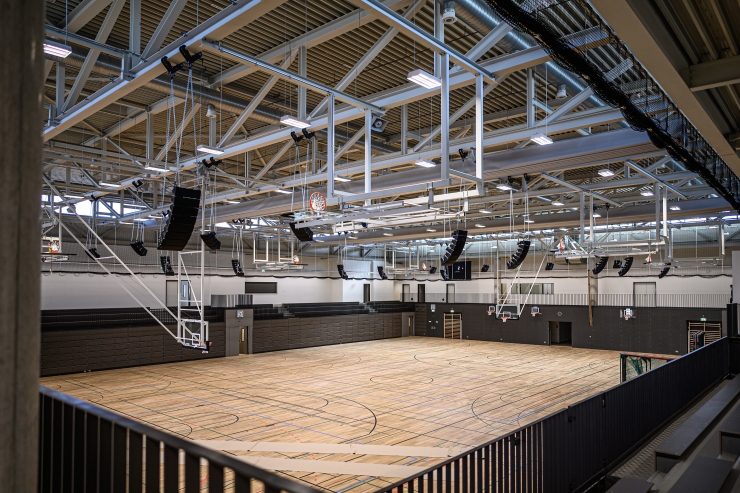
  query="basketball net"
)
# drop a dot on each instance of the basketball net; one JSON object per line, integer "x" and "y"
{"x": 504, "y": 318}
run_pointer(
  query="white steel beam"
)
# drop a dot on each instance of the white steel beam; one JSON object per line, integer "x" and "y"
{"x": 164, "y": 27}
{"x": 178, "y": 131}
{"x": 274, "y": 159}
{"x": 654, "y": 178}
{"x": 85, "y": 11}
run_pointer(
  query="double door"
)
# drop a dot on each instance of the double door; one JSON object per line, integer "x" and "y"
{"x": 453, "y": 326}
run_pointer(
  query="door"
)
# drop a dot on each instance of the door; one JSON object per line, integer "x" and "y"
{"x": 450, "y": 293}
{"x": 406, "y": 292}
{"x": 453, "y": 326}
{"x": 421, "y": 293}
{"x": 365, "y": 293}
{"x": 243, "y": 333}
{"x": 644, "y": 293}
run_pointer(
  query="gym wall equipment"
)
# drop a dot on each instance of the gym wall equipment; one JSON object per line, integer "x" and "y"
{"x": 626, "y": 266}
{"x": 181, "y": 219}
{"x": 139, "y": 248}
{"x": 459, "y": 236}
{"x": 600, "y": 265}
{"x": 209, "y": 238}
{"x": 303, "y": 234}
{"x": 518, "y": 257}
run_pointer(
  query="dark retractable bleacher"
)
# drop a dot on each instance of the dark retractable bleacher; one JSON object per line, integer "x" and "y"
{"x": 631, "y": 485}
{"x": 304, "y": 310}
{"x": 704, "y": 474}
{"x": 392, "y": 306}
{"x": 100, "y": 318}
{"x": 729, "y": 433}
{"x": 679, "y": 443}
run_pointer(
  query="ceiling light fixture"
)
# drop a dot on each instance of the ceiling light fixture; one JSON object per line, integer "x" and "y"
{"x": 504, "y": 187}
{"x": 557, "y": 202}
{"x": 480, "y": 225}
{"x": 280, "y": 190}
{"x": 341, "y": 179}
{"x": 81, "y": 197}
{"x": 424, "y": 79}
{"x": 484, "y": 211}
{"x": 107, "y": 184}
{"x": 606, "y": 172}
{"x": 646, "y": 193}
{"x": 292, "y": 121}
{"x": 430, "y": 230}
{"x": 675, "y": 207}
{"x": 387, "y": 234}
{"x": 232, "y": 201}
{"x": 425, "y": 163}
{"x": 149, "y": 167}
{"x": 528, "y": 221}
{"x": 596, "y": 214}
{"x": 209, "y": 149}
{"x": 60, "y": 50}
{"x": 541, "y": 139}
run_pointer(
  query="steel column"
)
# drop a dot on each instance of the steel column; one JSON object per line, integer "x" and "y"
{"x": 444, "y": 121}
{"x": 330, "y": 149}
{"x": 368, "y": 154}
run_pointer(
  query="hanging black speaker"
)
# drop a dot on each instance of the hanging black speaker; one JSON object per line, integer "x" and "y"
{"x": 549, "y": 266}
{"x": 432, "y": 270}
{"x": 139, "y": 248}
{"x": 237, "y": 266}
{"x": 626, "y": 266}
{"x": 522, "y": 248}
{"x": 600, "y": 265}
{"x": 485, "y": 268}
{"x": 445, "y": 275}
{"x": 664, "y": 272}
{"x": 180, "y": 220}
{"x": 303, "y": 234}
{"x": 342, "y": 272}
{"x": 455, "y": 249}
{"x": 166, "y": 266}
{"x": 209, "y": 238}
{"x": 381, "y": 272}
{"x": 617, "y": 264}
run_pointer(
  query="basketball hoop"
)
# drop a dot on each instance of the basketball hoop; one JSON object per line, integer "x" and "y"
{"x": 54, "y": 247}
{"x": 627, "y": 313}
{"x": 535, "y": 311}
{"x": 491, "y": 309}
{"x": 505, "y": 318}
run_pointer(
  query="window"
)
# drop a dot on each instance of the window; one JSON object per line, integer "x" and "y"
{"x": 539, "y": 288}
{"x": 406, "y": 292}
{"x": 260, "y": 287}
{"x": 450, "y": 293}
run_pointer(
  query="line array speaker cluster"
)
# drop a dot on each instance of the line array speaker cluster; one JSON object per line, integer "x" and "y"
{"x": 209, "y": 238}
{"x": 444, "y": 274}
{"x": 664, "y": 272}
{"x": 139, "y": 248}
{"x": 342, "y": 272}
{"x": 600, "y": 265}
{"x": 166, "y": 265}
{"x": 381, "y": 272}
{"x": 617, "y": 264}
{"x": 92, "y": 253}
{"x": 181, "y": 219}
{"x": 520, "y": 254}
{"x": 237, "y": 266}
{"x": 626, "y": 266}
{"x": 303, "y": 234}
{"x": 459, "y": 236}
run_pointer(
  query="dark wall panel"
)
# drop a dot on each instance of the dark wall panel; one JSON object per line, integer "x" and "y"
{"x": 653, "y": 330}
{"x": 294, "y": 333}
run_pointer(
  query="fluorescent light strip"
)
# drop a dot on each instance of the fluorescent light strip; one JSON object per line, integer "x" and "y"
{"x": 557, "y": 202}
{"x": 430, "y": 230}
{"x": 424, "y": 79}
{"x": 81, "y": 197}
{"x": 541, "y": 139}
{"x": 209, "y": 149}
{"x": 504, "y": 187}
{"x": 107, "y": 184}
{"x": 425, "y": 163}
{"x": 485, "y": 211}
{"x": 480, "y": 225}
{"x": 57, "y": 49}
{"x": 675, "y": 208}
{"x": 232, "y": 201}
{"x": 646, "y": 193}
{"x": 291, "y": 121}
{"x": 341, "y": 179}
{"x": 280, "y": 190}
{"x": 606, "y": 173}
{"x": 387, "y": 234}
{"x": 153, "y": 168}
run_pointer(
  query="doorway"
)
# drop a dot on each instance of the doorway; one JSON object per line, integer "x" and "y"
{"x": 450, "y": 293}
{"x": 406, "y": 292}
{"x": 453, "y": 326}
{"x": 644, "y": 293}
{"x": 703, "y": 333}
{"x": 561, "y": 334}
{"x": 365, "y": 293}
{"x": 243, "y": 332}
{"x": 421, "y": 293}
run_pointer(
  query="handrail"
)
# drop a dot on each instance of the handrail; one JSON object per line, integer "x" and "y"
{"x": 243, "y": 470}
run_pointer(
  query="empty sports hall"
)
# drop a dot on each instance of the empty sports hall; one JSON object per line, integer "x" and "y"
{"x": 360, "y": 246}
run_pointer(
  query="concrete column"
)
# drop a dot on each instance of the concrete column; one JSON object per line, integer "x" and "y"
{"x": 21, "y": 117}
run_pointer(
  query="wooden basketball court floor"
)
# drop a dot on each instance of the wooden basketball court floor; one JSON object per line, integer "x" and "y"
{"x": 353, "y": 417}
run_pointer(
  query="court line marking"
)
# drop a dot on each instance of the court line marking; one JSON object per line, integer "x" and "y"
{"x": 329, "y": 467}
{"x": 333, "y": 448}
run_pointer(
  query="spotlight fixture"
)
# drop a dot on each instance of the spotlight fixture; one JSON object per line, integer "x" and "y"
{"x": 206, "y": 149}
{"x": 342, "y": 179}
{"x": 281, "y": 190}
{"x": 541, "y": 139}
{"x": 557, "y": 203}
{"x": 292, "y": 121}
{"x": 425, "y": 163}
{"x": 646, "y": 193}
{"x": 675, "y": 207}
{"x": 308, "y": 135}
{"x": 562, "y": 92}
{"x": 137, "y": 184}
{"x": 54, "y": 48}
{"x": 211, "y": 112}
{"x": 505, "y": 187}
{"x": 296, "y": 138}
{"x": 463, "y": 153}
{"x": 424, "y": 79}
{"x": 606, "y": 172}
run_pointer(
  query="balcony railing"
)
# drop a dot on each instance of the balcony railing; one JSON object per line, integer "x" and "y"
{"x": 576, "y": 299}
{"x": 85, "y": 448}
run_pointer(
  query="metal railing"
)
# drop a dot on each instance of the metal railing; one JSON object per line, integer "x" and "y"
{"x": 575, "y": 447}
{"x": 85, "y": 448}
{"x": 581, "y": 299}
